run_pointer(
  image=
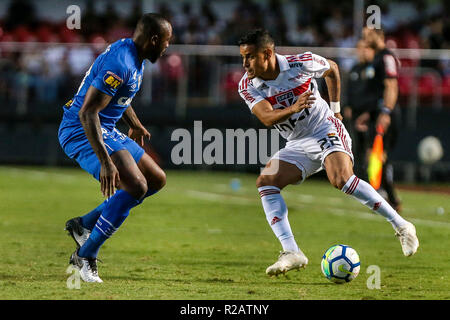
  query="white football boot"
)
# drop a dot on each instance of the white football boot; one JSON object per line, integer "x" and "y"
{"x": 77, "y": 231}
{"x": 86, "y": 266}
{"x": 287, "y": 260}
{"x": 408, "y": 239}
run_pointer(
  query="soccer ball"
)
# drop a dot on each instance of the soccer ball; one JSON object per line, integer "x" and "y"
{"x": 430, "y": 150}
{"x": 340, "y": 263}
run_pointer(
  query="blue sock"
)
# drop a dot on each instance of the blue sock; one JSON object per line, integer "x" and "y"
{"x": 90, "y": 219}
{"x": 114, "y": 214}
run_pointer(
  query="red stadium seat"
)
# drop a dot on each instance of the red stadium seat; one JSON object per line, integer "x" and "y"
{"x": 428, "y": 86}
{"x": 230, "y": 85}
{"x": 45, "y": 34}
{"x": 405, "y": 83}
{"x": 446, "y": 85}
{"x": 67, "y": 35}
{"x": 7, "y": 37}
{"x": 22, "y": 34}
{"x": 446, "y": 90}
{"x": 429, "y": 83}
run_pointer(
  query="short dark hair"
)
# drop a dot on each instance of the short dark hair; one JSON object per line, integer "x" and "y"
{"x": 151, "y": 24}
{"x": 259, "y": 37}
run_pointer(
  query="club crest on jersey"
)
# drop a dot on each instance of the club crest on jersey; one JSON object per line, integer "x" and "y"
{"x": 286, "y": 99}
{"x": 112, "y": 80}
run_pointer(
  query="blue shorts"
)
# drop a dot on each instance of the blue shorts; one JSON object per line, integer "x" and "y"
{"x": 80, "y": 149}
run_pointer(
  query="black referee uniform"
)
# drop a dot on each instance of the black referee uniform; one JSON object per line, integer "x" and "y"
{"x": 384, "y": 66}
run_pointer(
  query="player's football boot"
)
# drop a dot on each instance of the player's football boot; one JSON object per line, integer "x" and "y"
{"x": 408, "y": 239}
{"x": 77, "y": 231}
{"x": 87, "y": 266}
{"x": 287, "y": 260}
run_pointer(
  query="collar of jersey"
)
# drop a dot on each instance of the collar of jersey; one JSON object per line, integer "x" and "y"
{"x": 284, "y": 66}
{"x": 135, "y": 52}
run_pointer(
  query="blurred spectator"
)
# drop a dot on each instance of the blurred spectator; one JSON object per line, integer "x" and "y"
{"x": 415, "y": 24}
{"x": 80, "y": 57}
{"x": 303, "y": 35}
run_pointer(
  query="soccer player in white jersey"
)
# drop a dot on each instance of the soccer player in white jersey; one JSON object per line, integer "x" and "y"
{"x": 281, "y": 91}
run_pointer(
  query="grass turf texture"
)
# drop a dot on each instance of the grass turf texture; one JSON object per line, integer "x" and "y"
{"x": 200, "y": 239}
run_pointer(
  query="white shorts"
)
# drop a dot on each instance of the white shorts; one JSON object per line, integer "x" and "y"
{"x": 309, "y": 152}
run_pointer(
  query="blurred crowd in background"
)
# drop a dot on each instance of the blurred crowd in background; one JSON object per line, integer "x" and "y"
{"x": 411, "y": 24}
{"x": 53, "y": 74}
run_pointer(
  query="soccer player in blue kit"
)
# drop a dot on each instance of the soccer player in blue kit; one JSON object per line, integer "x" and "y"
{"x": 87, "y": 134}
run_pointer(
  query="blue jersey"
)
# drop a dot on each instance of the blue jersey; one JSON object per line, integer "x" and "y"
{"x": 116, "y": 72}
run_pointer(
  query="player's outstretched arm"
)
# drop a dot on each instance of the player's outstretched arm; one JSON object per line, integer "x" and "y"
{"x": 94, "y": 102}
{"x": 333, "y": 81}
{"x": 268, "y": 116}
{"x": 137, "y": 131}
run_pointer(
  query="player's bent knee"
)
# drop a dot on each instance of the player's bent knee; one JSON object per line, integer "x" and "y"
{"x": 138, "y": 188}
{"x": 158, "y": 181}
{"x": 266, "y": 180}
{"x": 339, "y": 179}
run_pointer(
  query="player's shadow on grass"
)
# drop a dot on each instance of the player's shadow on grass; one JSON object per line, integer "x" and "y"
{"x": 158, "y": 280}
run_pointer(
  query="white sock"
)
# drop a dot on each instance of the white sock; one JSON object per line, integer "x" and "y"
{"x": 277, "y": 216}
{"x": 368, "y": 196}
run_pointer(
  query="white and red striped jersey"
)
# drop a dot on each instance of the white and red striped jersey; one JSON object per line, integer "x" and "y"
{"x": 297, "y": 73}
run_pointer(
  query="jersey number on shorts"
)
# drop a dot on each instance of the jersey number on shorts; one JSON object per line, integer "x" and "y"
{"x": 328, "y": 142}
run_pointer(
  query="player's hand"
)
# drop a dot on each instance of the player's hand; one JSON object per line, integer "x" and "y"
{"x": 109, "y": 179}
{"x": 338, "y": 115}
{"x": 138, "y": 135}
{"x": 384, "y": 120}
{"x": 305, "y": 100}
{"x": 361, "y": 123}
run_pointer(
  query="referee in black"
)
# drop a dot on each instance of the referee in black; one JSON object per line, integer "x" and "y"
{"x": 376, "y": 106}
{"x": 357, "y": 102}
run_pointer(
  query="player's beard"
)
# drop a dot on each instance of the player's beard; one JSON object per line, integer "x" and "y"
{"x": 154, "y": 56}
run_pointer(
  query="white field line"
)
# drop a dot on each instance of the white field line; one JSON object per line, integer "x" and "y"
{"x": 217, "y": 197}
{"x": 38, "y": 175}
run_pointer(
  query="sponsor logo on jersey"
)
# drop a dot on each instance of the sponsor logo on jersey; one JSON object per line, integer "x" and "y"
{"x": 68, "y": 103}
{"x": 247, "y": 96}
{"x": 318, "y": 60}
{"x": 332, "y": 134}
{"x": 124, "y": 100}
{"x": 296, "y": 64}
{"x": 112, "y": 80}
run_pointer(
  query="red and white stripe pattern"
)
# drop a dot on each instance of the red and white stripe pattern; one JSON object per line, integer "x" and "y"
{"x": 305, "y": 57}
{"x": 267, "y": 192}
{"x": 353, "y": 186}
{"x": 244, "y": 84}
{"x": 340, "y": 131}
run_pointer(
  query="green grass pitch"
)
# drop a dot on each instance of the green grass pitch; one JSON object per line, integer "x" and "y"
{"x": 200, "y": 239}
